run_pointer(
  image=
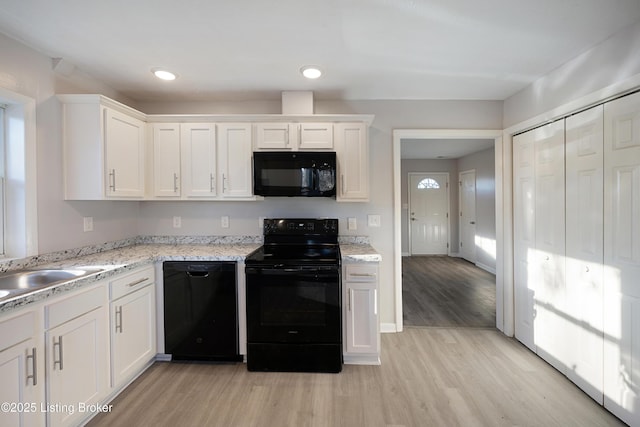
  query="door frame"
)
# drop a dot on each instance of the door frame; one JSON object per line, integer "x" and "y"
{"x": 502, "y": 177}
{"x": 448, "y": 208}
{"x": 475, "y": 210}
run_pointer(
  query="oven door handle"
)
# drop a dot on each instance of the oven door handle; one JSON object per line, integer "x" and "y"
{"x": 308, "y": 271}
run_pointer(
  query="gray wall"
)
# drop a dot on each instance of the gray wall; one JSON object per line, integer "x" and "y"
{"x": 614, "y": 60}
{"x": 484, "y": 164}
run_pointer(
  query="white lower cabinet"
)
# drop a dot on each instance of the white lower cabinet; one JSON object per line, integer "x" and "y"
{"x": 133, "y": 320}
{"x": 361, "y": 320}
{"x": 21, "y": 371}
{"x": 77, "y": 349}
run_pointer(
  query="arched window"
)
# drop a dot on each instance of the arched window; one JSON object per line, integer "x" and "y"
{"x": 428, "y": 183}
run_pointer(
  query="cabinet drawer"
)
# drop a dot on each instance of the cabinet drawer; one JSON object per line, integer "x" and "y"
{"x": 74, "y": 306}
{"x": 361, "y": 273}
{"x": 17, "y": 329}
{"x": 131, "y": 282}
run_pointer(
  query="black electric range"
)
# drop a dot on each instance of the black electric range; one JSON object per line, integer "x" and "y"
{"x": 294, "y": 297}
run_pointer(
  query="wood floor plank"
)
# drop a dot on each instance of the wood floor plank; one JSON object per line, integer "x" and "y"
{"x": 428, "y": 377}
{"x": 446, "y": 291}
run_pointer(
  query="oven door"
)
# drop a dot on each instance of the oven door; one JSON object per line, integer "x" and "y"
{"x": 293, "y": 304}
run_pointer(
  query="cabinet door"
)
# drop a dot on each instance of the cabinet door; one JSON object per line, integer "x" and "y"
{"x": 124, "y": 147}
{"x": 198, "y": 143}
{"x": 22, "y": 384}
{"x": 622, "y": 257}
{"x": 549, "y": 256}
{"x": 133, "y": 338}
{"x": 361, "y": 319}
{"x": 166, "y": 159}
{"x": 275, "y": 136}
{"x": 362, "y": 315}
{"x": 77, "y": 365}
{"x": 524, "y": 238}
{"x": 315, "y": 136}
{"x": 584, "y": 227}
{"x": 235, "y": 159}
{"x": 352, "y": 152}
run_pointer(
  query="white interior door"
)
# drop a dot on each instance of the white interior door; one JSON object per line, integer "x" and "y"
{"x": 622, "y": 258}
{"x": 467, "y": 181}
{"x": 429, "y": 213}
{"x": 584, "y": 225}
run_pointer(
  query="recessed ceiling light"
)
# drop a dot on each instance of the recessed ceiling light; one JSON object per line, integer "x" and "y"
{"x": 311, "y": 71}
{"x": 163, "y": 74}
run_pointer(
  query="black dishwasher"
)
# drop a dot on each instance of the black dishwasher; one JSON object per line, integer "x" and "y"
{"x": 200, "y": 310}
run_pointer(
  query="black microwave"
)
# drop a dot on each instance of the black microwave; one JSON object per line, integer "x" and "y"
{"x": 292, "y": 174}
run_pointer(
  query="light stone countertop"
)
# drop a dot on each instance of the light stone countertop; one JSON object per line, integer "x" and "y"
{"x": 124, "y": 259}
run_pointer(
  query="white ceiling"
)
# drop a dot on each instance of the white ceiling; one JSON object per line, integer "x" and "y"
{"x": 369, "y": 49}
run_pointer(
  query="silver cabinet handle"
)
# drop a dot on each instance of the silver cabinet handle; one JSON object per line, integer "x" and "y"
{"x": 118, "y": 319}
{"x": 224, "y": 183}
{"x": 137, "y": 282}
{"x": 34, "y": 367}
{"x": 59, "y": 361}
{"x": 286, "y": 138}
{"x": 175, "y": 182}
{"x": 349, "y": 300}
{"x": 212, "y": 183}
{"x": 112, "y": 180}
{"x": 342, "y": 183}
{"x": 363, "y": 274}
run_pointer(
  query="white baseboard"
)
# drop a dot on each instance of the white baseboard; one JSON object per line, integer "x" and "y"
{"x": 388, "y": 328}
{"x": 486, "y": 267}
{"x": 406, "y": 254}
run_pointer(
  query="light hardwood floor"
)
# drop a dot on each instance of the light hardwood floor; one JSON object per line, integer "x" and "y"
{"x": 446, "y": 291}
{"x": 428, "y": 377}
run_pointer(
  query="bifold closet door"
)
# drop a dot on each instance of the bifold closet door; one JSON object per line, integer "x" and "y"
{"x": 548, "y": 259}
{"x": 584, "y": 251}
{"x": 524, "y": 207}
{"x": 622, "y": 257}
{"x": 539, "y": 240}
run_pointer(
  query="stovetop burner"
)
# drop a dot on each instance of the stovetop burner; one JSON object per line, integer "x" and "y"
{"x": 298, "y": 241}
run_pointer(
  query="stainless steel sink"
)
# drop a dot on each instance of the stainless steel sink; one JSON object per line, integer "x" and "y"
{"x": 21, "y": 281}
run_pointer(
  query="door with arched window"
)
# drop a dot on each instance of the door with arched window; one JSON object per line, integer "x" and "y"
{"x": 429, "y": 213}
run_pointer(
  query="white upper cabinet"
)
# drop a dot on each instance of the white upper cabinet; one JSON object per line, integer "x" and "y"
{"x": 275, "y": 136}
{"x": 293, "y": 136}
{"x": 166, "y": 160}
{"x": 352, "y": 153}
{"x": 104, "y": 146}
{"x": 235, "y": 153}
{"x": 199, "y": 160}
{"x": 315, "y": 136}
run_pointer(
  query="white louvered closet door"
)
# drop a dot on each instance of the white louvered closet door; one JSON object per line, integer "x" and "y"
{"x": 622, "y": 257}
{"x": 584, "y": 251}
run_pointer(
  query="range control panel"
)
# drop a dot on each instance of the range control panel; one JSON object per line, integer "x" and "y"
{"x": 300, "y": 226}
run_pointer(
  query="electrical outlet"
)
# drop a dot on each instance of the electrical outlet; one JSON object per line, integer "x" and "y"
{"x": 88, "y": 223}
{"x": 352, "y": 224}
{"x": 373, "y": 220}
{"x": 177, "y": 222}
{"x": 261, "y": 222}
{"x": 224, "y": 222}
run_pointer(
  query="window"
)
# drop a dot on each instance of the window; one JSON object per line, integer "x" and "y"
{"x": 428, "y": 183}
{"x": 18, "y": 176}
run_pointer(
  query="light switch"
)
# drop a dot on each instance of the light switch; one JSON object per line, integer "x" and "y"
{"x": 88, "y": 223}
{"x": 224, "y": 222}
{"x": 177, "y": 222}
{"x": 352, "y": 224}
{"x": 373, "y": 220}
